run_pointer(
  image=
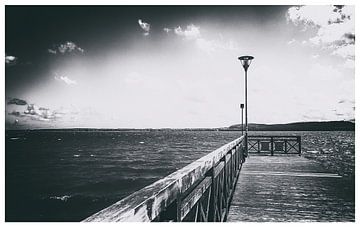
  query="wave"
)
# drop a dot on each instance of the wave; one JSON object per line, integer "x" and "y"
{"x": 62, "y": 198}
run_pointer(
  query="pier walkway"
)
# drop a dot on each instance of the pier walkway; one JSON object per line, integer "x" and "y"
{"x": 290, "y": 188}
{"x": 275, "y": 183}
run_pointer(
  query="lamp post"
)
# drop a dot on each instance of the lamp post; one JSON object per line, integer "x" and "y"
{"x": 242, "y": 118}
{"x": 246, "y": 61}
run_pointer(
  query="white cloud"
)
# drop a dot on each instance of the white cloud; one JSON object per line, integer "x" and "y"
{"x": 65, "y": 79}
{"x": 191, "y": 32}
{"x": 66, "y": 47}
{"x": 144, "y": 26}
{"x": 39, "y": 113}
{"x": 51, "y": 51}
{"x": 31, "y": 112}
{"x": 335, "y": 26}
{"x": 167, "y": 30}
{"x": 10, "y": 59}
{"x": 69, "y": 47}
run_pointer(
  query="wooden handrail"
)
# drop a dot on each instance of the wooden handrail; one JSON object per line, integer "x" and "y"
{"x": 171, "y": 193}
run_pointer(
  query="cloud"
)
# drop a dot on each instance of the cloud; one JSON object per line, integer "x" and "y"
{"x": 167, "y": 30}
{"x": 346, "y": 51}
{"x": 16, "y": 101}
{"x": 33, "y": 112}
{"x": 144, "y": 26}
{"x": 191, "y": 32}
{"x": 51, "y": 51}
{"x": 39, "y": 113}
{"x": 65, "y": 79}
{"x": 67, "y": 47}
{"x": 335, "y": 26}
{"x": 10, "y": 60}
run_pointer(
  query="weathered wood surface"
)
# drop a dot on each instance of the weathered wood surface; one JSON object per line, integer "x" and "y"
{"x": 290, "y": 188}
{"x": 148, "y": 203}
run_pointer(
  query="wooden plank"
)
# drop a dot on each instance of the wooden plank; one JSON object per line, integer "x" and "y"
{"x": 291, "y": 188}
{"x": 147, "y": 203}
{"x": 218, "y": 168}
{"x": 189, "y": 201}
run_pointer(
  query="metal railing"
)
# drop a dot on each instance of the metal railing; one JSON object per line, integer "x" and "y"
{"x": 272, "y": 144}
{"x": 201, "y": 191}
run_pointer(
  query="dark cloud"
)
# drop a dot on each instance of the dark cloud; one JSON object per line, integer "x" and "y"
{"x": 350, "y": 37}
{"x": 338, "y": 7}
{"x": 16, "y": 113}
{"x": 16, "y": 101}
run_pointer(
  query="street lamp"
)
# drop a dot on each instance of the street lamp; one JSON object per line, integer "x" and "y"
{"x": 246, "y": 61}
{"x": 242, "y": 118}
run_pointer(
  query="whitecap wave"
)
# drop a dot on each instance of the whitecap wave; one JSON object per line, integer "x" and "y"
{"x": 62, "y": 198}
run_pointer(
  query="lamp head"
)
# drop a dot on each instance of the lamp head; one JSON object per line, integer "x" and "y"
{"x": 242, "y": 106}
{"x": 246, "y": 61}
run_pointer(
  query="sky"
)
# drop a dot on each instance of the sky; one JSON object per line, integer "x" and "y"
{"x": 177, "y": 66}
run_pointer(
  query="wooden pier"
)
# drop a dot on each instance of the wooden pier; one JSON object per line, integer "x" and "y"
{"x": 291, "y": 188}
{"x": 275, "y": 184}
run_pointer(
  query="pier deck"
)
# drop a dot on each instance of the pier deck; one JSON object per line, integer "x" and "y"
{"x": 290, "y": 188}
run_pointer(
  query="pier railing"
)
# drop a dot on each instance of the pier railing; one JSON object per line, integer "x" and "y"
{"x": 201, "y": 191}
{"x": 272, "y": 144}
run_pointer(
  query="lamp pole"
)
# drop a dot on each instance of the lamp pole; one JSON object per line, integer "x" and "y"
{"x": 246, "y": 61}
{"x": 242, "y": 118}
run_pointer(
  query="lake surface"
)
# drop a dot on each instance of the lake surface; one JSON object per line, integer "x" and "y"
{"x": 66, "y": 175}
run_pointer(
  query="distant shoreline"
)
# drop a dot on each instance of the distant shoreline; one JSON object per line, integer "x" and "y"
{"x": 297, "y": 126}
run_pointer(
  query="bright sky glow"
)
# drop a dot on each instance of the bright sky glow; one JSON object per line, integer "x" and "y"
{"x": 183, "y": 72}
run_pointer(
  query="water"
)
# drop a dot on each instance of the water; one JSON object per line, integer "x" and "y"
{"x": 68, "y": 175}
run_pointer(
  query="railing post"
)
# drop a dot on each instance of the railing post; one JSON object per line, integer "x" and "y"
{"x": 299, "y": 142}
{"x": 178, "y": 209}
{"x": 272, "y": 145}
{"x": 213, "y": 196}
